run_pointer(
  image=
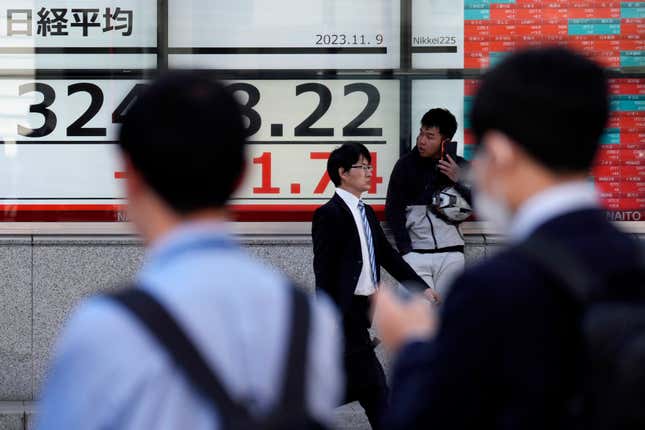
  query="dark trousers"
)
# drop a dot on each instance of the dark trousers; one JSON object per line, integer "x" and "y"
{"x": 364, "y": 373}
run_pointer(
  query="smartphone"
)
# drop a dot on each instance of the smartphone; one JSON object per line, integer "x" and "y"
{"x": 449, "y": 148}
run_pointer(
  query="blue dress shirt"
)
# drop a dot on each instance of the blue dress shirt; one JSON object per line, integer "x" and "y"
{"x": 109, "y": 373}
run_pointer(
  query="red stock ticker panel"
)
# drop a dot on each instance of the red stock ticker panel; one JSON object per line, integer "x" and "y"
{"x": 619, "y": 170}
{"x": 611, "y": 32}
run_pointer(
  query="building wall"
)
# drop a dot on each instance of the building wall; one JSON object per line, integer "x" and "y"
{"x": 44, "y": 276}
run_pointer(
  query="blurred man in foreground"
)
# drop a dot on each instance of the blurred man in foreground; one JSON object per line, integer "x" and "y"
{"x": 507, "y": 352}
{"x": 209, "y": 337}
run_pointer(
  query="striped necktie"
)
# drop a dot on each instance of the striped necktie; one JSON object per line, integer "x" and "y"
{"x": 368, "y": 238}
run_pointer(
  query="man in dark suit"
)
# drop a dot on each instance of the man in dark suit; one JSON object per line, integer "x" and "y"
{"x": 508, "y": 352}
{"x": 349, "y": 248}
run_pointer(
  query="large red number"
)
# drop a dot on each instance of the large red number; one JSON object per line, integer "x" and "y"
{"x": 265, "y": 162}
{"x": 325, "y": 180}
{"x": 376, "y": 179}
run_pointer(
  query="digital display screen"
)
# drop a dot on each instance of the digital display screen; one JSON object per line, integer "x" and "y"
{"x": 59, "y": 144}
{"x": 476, "y": 34}
{"x": 285, "y": 34}
{"x": 88, "y": 34}
{"x": 294, "y": 125}
{"x": 309, "y": 76}
{"x": 619, "y": 171}
{"x": 620, "y": 168}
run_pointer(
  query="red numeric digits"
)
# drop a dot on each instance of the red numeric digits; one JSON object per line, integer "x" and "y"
{"x": 325, "y": 180}
{"x": 376, "y": 179}
{"x": 265, "y": 162}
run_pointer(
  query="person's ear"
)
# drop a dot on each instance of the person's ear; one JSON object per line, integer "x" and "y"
{"x": 342, "y": 173}
{"x": 501, "y": 150}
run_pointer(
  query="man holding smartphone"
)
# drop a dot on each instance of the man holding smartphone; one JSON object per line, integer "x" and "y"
{"x": 428, "y": 240}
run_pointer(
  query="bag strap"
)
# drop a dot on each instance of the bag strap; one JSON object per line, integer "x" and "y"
{"x": 293, "y": 388}
{"x": 171, "y": 337}
{"x": 184, "y": 353}
{"x": 562, "y": 263}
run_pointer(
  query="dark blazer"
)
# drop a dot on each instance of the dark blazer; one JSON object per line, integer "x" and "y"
{"x": 508, "y": 352}
{"x": 337, "y": 252}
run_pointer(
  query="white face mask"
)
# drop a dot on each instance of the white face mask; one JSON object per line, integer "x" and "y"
{"x": 493, "y": 210}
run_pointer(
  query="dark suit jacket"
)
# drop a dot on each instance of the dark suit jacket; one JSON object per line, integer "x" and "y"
{"x": 508, "y": 354}
{"x": 337, "y": 252}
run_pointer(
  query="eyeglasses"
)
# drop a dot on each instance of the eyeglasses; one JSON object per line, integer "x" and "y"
{"x": 365, "y": 167}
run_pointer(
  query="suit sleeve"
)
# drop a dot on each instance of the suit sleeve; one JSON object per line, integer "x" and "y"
{"x": 392, "y": 260}
{"x": 443, "y": 383}
{"x": 395, "y": 209}
{"x": 325, "y": 253}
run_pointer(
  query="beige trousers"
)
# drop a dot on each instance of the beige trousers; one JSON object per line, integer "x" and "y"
{"x": 437, "y": 270}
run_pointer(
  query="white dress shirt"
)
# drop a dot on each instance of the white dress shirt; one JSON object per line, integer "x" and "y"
{"x": 549, "y": 204}
{"x": 364, "y": 286}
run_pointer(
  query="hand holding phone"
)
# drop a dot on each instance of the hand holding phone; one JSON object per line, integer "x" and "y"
{"x": 449, "y": 149}
{"x": 449, "y": 167}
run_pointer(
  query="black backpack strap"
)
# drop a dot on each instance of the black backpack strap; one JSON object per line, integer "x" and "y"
{"x": 293, "y": 389}
{"x": 563, "y": 264}
{"x": 170, "y": 335}
{"x": 166, "y": 330}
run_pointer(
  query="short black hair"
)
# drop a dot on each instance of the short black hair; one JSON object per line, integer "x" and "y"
{"x": 441, "y": 118}
{"x": 185, "y": 136}
{"x": 345, "y": 156}
{"x": 552, "y": 102}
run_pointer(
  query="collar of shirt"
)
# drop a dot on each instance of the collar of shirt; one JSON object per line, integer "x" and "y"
{"x": 549, "y": 204}
{"x": 350, "y": 199}
{"x": 188, "y": 235}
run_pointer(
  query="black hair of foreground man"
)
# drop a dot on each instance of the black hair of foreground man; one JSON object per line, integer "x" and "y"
{"x": 186, "y": 137}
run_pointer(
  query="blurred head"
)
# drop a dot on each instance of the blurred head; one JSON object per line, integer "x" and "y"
{"x": 437, "y": 127}
{"x": 183, "y": 141}
{"x": 537, "y": 117}
{"x": 349, "y": 167}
